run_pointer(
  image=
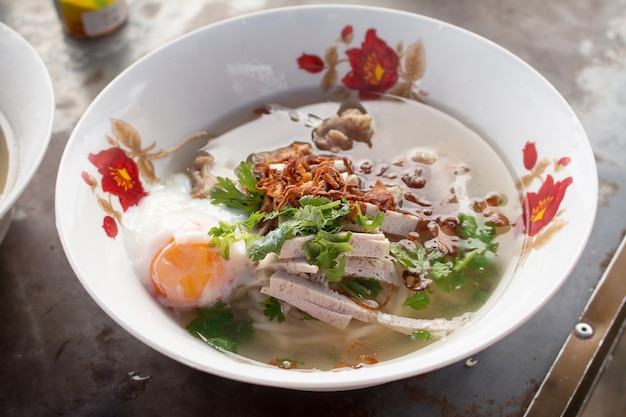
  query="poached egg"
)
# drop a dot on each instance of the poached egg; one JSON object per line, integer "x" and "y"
{"x": 166, "y": 237}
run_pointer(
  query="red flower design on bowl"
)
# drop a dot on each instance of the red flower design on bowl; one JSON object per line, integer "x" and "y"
{"x": 120, "y": 176}
{"x": 530, "y": 155}
{"x": 310, "y": 63}
{"x": 110, "y": 226}
{"x": 374, "y": 66}
{"x": 540, "y": 207}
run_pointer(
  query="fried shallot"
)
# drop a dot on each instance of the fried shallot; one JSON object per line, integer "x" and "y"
{"x": 290, "y": 173}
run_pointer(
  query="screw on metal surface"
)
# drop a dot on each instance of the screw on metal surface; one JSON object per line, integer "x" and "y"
{"x": 583, "y": 330}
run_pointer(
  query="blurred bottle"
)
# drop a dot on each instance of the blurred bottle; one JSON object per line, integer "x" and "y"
{"x": 91, "y": 18}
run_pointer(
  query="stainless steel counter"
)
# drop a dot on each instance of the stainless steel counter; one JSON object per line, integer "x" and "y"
{"x": 61, "y": 355}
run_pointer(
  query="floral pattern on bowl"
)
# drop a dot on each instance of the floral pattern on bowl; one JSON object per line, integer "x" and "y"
{"x": 541, "y": 215}
{"x": 121, "y": 167}
{"x": 375, "y": 67}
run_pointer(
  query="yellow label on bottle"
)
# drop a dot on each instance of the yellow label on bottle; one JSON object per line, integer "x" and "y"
{"x": 88, "y": 4}
{"x": 92, "y": 18}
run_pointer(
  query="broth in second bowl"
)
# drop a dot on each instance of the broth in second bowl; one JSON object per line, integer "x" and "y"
{"x": 8, "y": 157}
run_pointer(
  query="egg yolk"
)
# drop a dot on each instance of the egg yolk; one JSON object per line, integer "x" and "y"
{"x": 181, "y": 271}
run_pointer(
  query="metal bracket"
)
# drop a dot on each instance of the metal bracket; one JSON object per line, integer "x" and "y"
{"x": 572, "y": 376}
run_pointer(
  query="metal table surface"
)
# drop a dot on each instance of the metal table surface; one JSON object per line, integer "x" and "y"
{"x": 60, "y": 354}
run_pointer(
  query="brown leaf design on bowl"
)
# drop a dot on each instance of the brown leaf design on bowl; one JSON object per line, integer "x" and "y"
{"x": 415, "y": 62}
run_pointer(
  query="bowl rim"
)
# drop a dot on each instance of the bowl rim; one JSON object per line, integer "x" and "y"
{"x": 349, "y": 380}
{"x": 22, "y": 181}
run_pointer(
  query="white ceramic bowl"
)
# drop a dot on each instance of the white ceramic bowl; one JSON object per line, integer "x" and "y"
{"x": 209, "y": 74}
{"x": 26, "y": 115}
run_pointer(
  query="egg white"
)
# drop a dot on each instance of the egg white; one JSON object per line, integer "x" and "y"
{"x": 169, "y": 212}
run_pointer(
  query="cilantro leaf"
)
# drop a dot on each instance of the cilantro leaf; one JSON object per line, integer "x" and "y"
{"x": 472, "y": 260}
{"x": 273, "y": 241}
{"x": 476, "y": 236}
{"x": 417, "y": 301}
{"x": 416, "y": 259}
{"x": 247, "y": 179}
{"x": 361, "y": 288}
{"x": 323, "y": 251}
{"x": 467, "y": 226}
{"x": 441, "y": 270}
{"x": 225, "y": 234}
{"x": 421, "y": 335}
{"x": 228, "y": 193}
{"x": 455, "y": 280}
{"x": 448, "y": 273}
{"x": 252, "y": 221}
{"x": 368, "y": 223}
{"x": 320, "y": 213}
{"x": 315, "y": 201}
{"x": 272, "y": 309}
{"x": 332, "y": 268}
{"x": 222, "y": 237}
{"x": 216, "y": 327}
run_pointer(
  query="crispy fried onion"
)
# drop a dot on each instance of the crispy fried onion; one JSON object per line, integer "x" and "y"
{"x": 295, "y": 171}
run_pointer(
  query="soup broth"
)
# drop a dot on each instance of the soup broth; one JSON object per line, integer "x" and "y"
{"x": 422, "y": 151}
{"x": 7, "y": 153}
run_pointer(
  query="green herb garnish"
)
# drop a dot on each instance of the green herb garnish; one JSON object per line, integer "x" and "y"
{"x": 475, "y": 236}
{"x": 226, "y": 234}
{"x": 417, "y": 259}
{"x": 323, "y": 251}
{"x": 217, "y": 327}
{"x": 228, "y": 193}
{"x": 417, "y": 301}
{"x": 318, "y": 213}
{"x": 421, "y": 335}
{"x": 471, "y": 265}
{"x": 273, "y": 241}
{"x": 272, "y": 309}
{"x": 362, "y": 288}
{"x": 368, "y": 223}
{"x": 317, "y": 216}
